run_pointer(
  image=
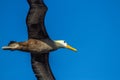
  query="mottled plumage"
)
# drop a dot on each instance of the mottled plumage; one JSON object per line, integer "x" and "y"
{"x": 36, "y": 30}
{"x": 39, "y": 44}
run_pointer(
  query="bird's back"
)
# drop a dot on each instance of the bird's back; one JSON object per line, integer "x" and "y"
{"x": 41, "y": 46}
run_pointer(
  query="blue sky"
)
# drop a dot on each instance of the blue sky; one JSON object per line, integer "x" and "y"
{"x": 92, "y": 26}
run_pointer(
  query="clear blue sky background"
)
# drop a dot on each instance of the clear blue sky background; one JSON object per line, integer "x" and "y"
{"x": 92, "y": 26}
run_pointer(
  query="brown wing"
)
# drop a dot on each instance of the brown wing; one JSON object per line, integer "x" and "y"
{"x": 36, "y": 30}
{"x": 40, "y": 65}
{"x": 35, "y": 20}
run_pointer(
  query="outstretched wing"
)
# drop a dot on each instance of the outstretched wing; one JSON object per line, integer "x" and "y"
{"x": 36, "y": 30}
{"x": 35, "y": 20}
{"x": 40, "y": 65}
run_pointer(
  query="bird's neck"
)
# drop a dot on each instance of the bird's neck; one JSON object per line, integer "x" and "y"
{"x": 58, "y": 45}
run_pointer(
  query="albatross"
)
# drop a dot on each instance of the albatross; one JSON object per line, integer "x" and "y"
{"x": 39, "y": 43}
{"x": 38, "y": 46}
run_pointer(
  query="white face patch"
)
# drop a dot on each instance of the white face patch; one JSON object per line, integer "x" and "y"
{"x": 62, "y": 42}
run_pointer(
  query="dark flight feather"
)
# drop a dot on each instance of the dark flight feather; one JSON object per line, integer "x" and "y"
{"x": 35, "y": 20}
{"x": 36, "y": 30}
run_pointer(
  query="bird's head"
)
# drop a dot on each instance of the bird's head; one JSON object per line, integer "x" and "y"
{"x": 63, "y": 44}
{"x": 12, "y": 46}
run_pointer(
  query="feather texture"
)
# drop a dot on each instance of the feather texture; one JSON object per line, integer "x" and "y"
{"x": 36, "y": 30}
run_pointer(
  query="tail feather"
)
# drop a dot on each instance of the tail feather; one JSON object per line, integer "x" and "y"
{"x": 11, "y": 42}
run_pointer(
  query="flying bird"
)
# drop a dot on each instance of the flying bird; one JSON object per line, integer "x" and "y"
{"x": 39, "y": 43}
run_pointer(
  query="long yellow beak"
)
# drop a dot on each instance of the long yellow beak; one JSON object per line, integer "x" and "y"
{"x": 71, "y": 48}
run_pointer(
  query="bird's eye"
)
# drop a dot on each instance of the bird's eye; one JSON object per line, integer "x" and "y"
{"x": 64, "y": 42}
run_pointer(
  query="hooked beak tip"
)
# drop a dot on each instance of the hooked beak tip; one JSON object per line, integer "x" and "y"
{"x": 71, "y": 48}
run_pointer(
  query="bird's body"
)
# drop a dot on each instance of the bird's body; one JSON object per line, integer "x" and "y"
{"x": 39, "y": 52}
{"x": 39, "y": 44}
{"x": 33, "y": 45}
